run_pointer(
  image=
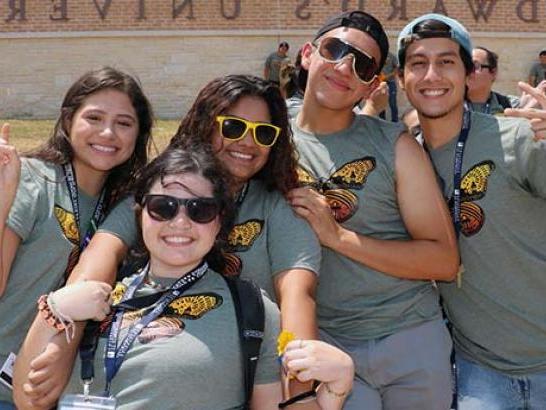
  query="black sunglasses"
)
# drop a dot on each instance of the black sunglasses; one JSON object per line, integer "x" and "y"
{"x": 166, "y": 207}
{"x": 334, "y": 50}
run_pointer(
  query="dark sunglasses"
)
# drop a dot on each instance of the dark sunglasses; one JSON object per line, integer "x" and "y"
{"x": 235, "y": 128}
{"x": 166, "y": 207}
{"x": 334, "y": 50}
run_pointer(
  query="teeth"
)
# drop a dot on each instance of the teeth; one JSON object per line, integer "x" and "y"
{"x": 103, "y": 148}
{"x": 240, "y": 155}
{"x": 176, "y": 239}
{"x": 434, "y": 93}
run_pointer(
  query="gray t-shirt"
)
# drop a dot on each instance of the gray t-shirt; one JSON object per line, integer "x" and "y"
{"x": 499, "y": 313}
{"x": 268, "y": 238}
{"x": 538, "y": 71}
{"x": 42, "y": 217}
{"x": 274, "y": 63}
{"x": 189, "y": 357}
{"x": 355, "y": 169}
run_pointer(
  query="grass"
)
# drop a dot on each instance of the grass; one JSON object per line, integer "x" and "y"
{"x": 28, "y": 134}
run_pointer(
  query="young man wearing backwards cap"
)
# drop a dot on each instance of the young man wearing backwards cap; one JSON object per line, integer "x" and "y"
{"x": 371, "y": 196}
{"x": 493, "y": 174}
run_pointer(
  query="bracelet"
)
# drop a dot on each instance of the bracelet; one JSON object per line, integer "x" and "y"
{"x": 302, "y": 397}
{"x": 54, "y": 318}
{"x": 335, "y": 393}
{"x": 47, "y": 314}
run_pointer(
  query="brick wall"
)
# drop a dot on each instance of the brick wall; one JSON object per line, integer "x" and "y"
{"x": 176, "y": 46}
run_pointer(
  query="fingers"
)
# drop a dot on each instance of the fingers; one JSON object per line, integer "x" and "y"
{"x": 536, "y": 92}
{"x": 529, "y": 113}
{"x": 4, "y": 133}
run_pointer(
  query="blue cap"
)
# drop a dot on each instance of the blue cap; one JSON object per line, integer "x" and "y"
{"x": 457, "y": 33}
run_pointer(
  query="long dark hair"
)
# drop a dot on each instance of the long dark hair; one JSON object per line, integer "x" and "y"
{"x": 58, "y": 148}
{"x": 279, "y": 172}
{"x": 176, "y": 161}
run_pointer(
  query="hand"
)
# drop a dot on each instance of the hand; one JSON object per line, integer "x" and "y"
{"x": 527, "y": 99}
{"x": 536, "y": 116}
{"x": 317, "y": 360}
{"x": 378, "y": 100}
{"x": 89, "y": 300}
{"x": 10, "y": 171}
{"x": 313, "y": 207}
{"x": 44, "y": 385}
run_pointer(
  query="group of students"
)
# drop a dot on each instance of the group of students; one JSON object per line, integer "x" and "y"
{"x": 338, "y": 217}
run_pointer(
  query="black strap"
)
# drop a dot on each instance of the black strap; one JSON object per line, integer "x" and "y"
{"x": 88, "y": 347}
{"x": 251, "y": 322}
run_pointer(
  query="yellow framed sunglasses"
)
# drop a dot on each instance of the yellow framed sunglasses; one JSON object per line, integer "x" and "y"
{"x": 235, "y": 128}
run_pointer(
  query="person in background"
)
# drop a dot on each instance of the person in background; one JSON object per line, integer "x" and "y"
{"x": 538, "y": 70}
{"x": 275, "y": 61}
{"x": 388, "y": 74}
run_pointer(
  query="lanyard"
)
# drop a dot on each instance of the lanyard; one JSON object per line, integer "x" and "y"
{"x": 114, "y": 353}
{"x": 98, "y": 213}
{"x": 242, "y": 195}
{"x": 457, "y": 170}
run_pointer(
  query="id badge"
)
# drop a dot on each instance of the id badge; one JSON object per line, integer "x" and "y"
{"x": 83, "y": 402}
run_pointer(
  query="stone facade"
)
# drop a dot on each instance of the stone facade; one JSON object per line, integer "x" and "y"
{"x": 176, "y": 46}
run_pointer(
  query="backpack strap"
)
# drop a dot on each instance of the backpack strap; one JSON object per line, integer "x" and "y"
{"x": 503, "y": 100}
{"x": 249, "y": 309}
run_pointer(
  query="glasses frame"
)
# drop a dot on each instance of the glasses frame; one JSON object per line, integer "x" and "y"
{"x": 317, "y": 44}
{"x": 479, "y": 66}
{"x": 182, "y": 202}
{"x": 252, "y": 125}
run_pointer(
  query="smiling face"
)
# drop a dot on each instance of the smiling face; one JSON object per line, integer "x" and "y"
{"x": 177, "y": 246}
{"x": 103, "y": 133}
{"x": 243, "y": 158}
{"x": 434, "y": 78}
{"x": 334, "y": 86}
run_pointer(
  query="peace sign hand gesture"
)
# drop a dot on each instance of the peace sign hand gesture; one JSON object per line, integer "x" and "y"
{"x": 536, "y": 116}
{"x": 10, "y": 171}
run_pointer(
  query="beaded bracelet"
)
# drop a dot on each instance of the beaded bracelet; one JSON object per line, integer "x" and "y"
{"x": 54, "y": 318}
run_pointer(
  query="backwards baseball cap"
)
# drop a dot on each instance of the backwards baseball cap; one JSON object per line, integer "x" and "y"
{"x": 361, "y": 21}
{"x": 457, "y": 32}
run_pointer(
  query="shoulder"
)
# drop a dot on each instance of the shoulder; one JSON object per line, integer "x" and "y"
{"x": 379, "y": 129}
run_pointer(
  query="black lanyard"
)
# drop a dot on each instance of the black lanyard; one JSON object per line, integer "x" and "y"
{"x": 114, "y": 353}
{"x": 98, "y": 213}
{"x": 457, "y": 170}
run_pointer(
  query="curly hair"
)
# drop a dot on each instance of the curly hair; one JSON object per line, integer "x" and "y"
{"x": 176, "y": 161}
{"x": 279, "y": 172}
{"x": 58, "y": 149}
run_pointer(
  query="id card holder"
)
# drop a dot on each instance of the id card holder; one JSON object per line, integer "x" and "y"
{"x": 86, "y": 402}
{"x": 6, "y": 371}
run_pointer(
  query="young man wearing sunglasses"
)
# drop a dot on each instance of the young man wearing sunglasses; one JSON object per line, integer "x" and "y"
{"x": 492, "y": 170}
{"x": 370, "y": 194}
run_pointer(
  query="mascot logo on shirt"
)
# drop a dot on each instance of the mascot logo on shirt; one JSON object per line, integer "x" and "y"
{"x": 473, "y": 188}
{"x": 240, "y": 239}
{"x": 170, "y": 323}
{"x": 68, "y": 225}
{"x": 336, "y": 188}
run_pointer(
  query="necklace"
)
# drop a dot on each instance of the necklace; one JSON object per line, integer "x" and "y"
{"x": 153, "y": 284}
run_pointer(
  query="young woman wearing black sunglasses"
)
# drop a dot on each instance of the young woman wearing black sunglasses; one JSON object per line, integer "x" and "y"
{"x": 163, "y": 351}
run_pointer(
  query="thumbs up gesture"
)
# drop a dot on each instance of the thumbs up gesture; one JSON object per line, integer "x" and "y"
{"x": 10, "y": 171}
